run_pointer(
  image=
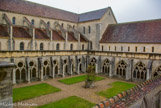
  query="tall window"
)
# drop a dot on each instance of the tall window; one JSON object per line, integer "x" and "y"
{"x": 21, "y": 46}
{"x": 136, "y": 49}
{"x": 0, "y": 46}
{"x": 13, "y": 20}
{"x": 89, "y": 29}
{"x": 109, "y": 48}
{"x": 102, "y": 47}
{"x": 57, "y": 46}
{"x": 71, "y": 46}
{"x": 73, "y": 26}
{"x": 143, "y": 49}
{"x": 115, "y": 48}
{"x": 152, "y": 49}
{"x": 41, "y": 46}
{"x": 82, "y": 47}
{"x": 91, "y": 46}
{"x": 84, "y": 30}
{"x": 128, "y": 48}
{"x": 62, "y": 24}
{"x": 32, "y": 22}
{"x": 121, "y": 48}
{"x": 48, "y": 23}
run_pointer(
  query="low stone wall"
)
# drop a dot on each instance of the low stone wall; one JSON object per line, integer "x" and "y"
{"x": 128, "y": 97}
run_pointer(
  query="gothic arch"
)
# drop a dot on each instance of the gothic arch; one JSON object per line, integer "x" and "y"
{"x": 106, "y": 67}
{"x": 140, "y": 71}
{"x": 46, "y": 68}
{"x": 157, "y": 71}
{"x": 56, "y": 68}
{"x": 121, "y": 68}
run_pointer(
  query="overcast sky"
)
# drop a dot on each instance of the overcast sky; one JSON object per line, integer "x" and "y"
{"x": 124, "y": 10}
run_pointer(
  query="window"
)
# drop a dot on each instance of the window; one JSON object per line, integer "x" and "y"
{"x": 0, "y": 46}
{"x": 73, "y": 26}
{"x": 13, "y": 20}
{"x": 71, "y": 46}
{"x": 136, "y": 49}
{"x": 48, "y": 23}
{"x": 152, "y": 49}
{"x": 62, "y": 24}
{"x": 109, "y": 48}
{"x": 102, "y": 48}
{"x": 21, "y": 46}
{"x": 143, "y": 49}
{"x": 89, "y": 29}
{"x": 121, "y": 48}
{"x": 41, "y": 46}
{"x": 115, "y": 48}
{"x": 82, "y": 47}
{"x": 84, "y": 30}
{"x": 91, "y": 46}
{"x": 57, "y": 46}
{"x": 128, "y": 48}
{"x": 32, "y": 22}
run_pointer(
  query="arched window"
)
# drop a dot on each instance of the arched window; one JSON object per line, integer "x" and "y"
{"x": 57, "y": 46}
{"x": 102, "y": 48}
{"x": 84, "y": 30}
{"x": 152, "y": 49}
{"x": 136, "y": 49}
{"x": 109, "y": 48}
{"x": 62, "y": 24}
{"x": 128, "y": 48}
{"x": 13, "y": 20}
{"x": 21, "y": 46}
{"x": 121, "y": 48}
{"x": 71, "y": 46}
{"x": 73, "y": 26}
{"x": 32, "y": 22}
{"x": 41, "y": 46}
{"x": 82, "y": 47}
{"x": 143, "y": 49}
{"x": 115, "y": 48}
{"x": 48, "y": 23}
{"x": 89, "y": 29}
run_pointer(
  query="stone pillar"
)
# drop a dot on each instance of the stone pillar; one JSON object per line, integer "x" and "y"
{"x": 28, "y": 78}
{"x": 78, "y": 69}
{"x": 14, "y": 76}
{"x": 63, "y": 71}
{"x": 96, "y": 68}
{"x": 6, "y": 85}
{"x": 147, "y": 75}
{"x": 110, "y": 73}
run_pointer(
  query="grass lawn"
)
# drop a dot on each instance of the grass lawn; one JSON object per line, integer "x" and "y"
{"x": 28, "y": 92}
{"x": 70, "y": 102}
{"x": 78, "y": 79}
{"x": 117, "y": 87}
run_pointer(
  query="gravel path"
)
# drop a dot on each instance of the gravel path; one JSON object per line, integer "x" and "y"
{"x": 67, "y": 90}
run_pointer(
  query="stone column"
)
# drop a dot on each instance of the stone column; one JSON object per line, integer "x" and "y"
{"x": 78, "y": 68}
{"x": 6, "y": 84}
{"x": 147, "y": 75}
{"x": 110, "y": 73}
{"x": 28, "y": 78}
{"x": 63, "y": 71}
{"x": 14, "y": 76}
{"x": 53, "y": 71}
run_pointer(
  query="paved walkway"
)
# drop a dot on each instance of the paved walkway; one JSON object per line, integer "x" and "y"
{"x": 68, "y": 90}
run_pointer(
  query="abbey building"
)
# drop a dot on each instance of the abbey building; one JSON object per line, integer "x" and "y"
{"x": 46, "y": 42}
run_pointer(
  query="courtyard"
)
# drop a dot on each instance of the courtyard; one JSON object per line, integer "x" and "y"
{"x": 58, "y": 94}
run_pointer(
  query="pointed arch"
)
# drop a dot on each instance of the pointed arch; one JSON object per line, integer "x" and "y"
{"x": 121, "y": 68}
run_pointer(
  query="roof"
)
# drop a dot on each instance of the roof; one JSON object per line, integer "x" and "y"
{"x": 93, "y": 15}
{"x": 41, "y": 34}
{"x": 30, "y": 8}
{"x": 57, "y": 36}
{"x": 71, "y": 37}
{"x": 35, "y": 9}
{"x": 20, "y": 32}
{"x": 135, "y": 32}
{"x": 3, "y": 31}
{"x": 82, "y": 39}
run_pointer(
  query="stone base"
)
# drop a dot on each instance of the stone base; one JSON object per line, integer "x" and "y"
{"x": 6, "y": 103}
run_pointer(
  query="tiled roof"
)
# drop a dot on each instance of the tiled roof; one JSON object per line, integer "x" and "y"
{"x": 93, "y": 15}
{"x": 71, "y": 37}
{"x": 3, "y": 31}
{"x": 57, "y": 36}
{"x": 82, "y": 38}
{"x": 135, "y": 32}
{"x": 20, "y": 32}
{"x": 41, "y": 34}
{"x": 29, "y": 8}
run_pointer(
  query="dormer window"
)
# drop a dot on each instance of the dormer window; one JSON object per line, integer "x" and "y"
{"x": 32, "y": 22}
{"x": 21, "y": 46}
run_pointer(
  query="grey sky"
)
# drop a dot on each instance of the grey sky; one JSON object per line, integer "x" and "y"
{"x": 124, "y": 10}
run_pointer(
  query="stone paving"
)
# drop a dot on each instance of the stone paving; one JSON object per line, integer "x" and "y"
{"x": 68, "y": 90}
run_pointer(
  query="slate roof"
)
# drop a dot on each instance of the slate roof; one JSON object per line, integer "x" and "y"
{"x": 135, "y": 32}
{"x": 34, "y": 9}
{"x": 93, "y": 15}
